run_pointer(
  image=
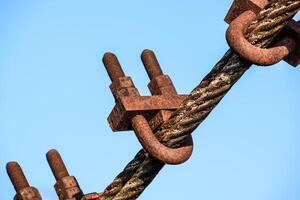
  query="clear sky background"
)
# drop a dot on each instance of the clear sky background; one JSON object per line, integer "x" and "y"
{"x": 54, "y": 94}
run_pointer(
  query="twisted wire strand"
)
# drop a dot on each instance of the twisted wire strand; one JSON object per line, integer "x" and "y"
{"x": 139, "y": 173}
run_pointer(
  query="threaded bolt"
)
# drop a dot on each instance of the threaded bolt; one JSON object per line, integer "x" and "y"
{"x": 57, "y": 165}
{"x": 151, "y": 64}
{"x": 16, "y": 176}
{"x": 112, "y": 66}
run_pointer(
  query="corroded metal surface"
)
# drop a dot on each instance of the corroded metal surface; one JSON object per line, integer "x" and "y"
{"x": 66, "y": 186}
{"x": 159, "y": 151}
{"x": 114, "y": 69}
{"x": 162, "y": 84}
{"x": 240, "y": 16}
{"x": 28, "y": 193}
{"x": 16, "y": 176}
{"x": 56, "y": 164}
{"x": 129, "y": 106}
{"x": 142, "y": 169}
{"x": 237, "y": 41}
{"x": 123, "y": 86}
{"x": 152, "y": 103}
{"x": 20, "y": 183}
{"x": 240, "y": 6}
{"x": 159, "y": 118}
{"x": 128, "y": 100}
{"x": 91, "y": 196}
{"x": 151, "y": 64}
{"x": 139, "y": 173}
{"x": 145, "y": 113}
{"x": 293, "y": 30}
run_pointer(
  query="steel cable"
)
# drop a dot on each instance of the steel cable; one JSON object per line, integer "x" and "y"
{"x": 139, "y": 173}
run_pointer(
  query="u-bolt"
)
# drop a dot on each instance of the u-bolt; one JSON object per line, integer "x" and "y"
{"x": 159, "y": 151}
{"x": 259, "y": 56}
{"x": 143, "y": 131}
{"x": 140, "y": 125}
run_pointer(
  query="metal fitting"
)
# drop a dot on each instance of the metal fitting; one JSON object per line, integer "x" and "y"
{"x": 20, "y": 183}
{"x": 240, "y": 6}
{"x": 151, "y": 64}
{"x": 160, "y": 84}
{"x": 128, "y": 100}
{"x": 66, "y": 187}
{"x": 293, "y": 30}
{"x": 256, "y": 55}
{"x": 240, "y": 16}
{"x": 156, "y": 149}
{"x": 112, "y": 66}
{"x": 144, "y": 114}
{"x": 91, "y": 196}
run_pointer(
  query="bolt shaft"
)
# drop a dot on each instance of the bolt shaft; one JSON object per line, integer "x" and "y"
{"x": 112, "y": 66}
{"x": 151, "y": 64}
{"x": 16, "y": 176}
{"x": 57, "y": 165}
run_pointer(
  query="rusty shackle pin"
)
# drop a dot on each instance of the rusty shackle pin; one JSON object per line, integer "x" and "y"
{"x": 240, "y": 16}
{"x": 23, "y": 189}
{"x": 138, "y": 121}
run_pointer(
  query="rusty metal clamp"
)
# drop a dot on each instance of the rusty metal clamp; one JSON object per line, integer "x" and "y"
{"x": 144, "y": 114}
{"x": 155, "y": 148}
{"x": 240, "y": 16}
{"x": 20, "y": 183}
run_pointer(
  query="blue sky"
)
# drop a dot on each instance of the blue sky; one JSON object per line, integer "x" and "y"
{"x": 54, "y": 94}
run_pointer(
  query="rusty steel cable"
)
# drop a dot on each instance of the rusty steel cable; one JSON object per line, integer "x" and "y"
{"x": 139, "y": 173}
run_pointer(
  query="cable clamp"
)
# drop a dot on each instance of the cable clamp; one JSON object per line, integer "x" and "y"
{"x": 287, "y": 46}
